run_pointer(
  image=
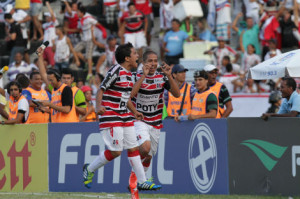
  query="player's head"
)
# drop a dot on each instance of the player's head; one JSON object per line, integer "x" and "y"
{"x": 131, "y": 8}
{"x": 126, "y": 54}
{"x": 36, "y": 80}
{"x": 287, "y": 87}
{"x": 201, "y": 80}
{"x": 14, "y": 89}
{"x": 81, "y": 11}
{"x": 212, "y": 72}
{"x": 54, "y": 77}
{"x": 67, "y": 76}
{"x": 150, "y": 57}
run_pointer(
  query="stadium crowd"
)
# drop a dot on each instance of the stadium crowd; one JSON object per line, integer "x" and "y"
{"x": 81, "y": 56}
{"x": 245, "y": 33}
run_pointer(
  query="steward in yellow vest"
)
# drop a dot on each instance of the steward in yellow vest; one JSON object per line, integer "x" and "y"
{"x": 205, "y": 102}
{"x": 220, "y": 90}
{"x": 183, "y": 104}
{"x": 61, "y": 100}
{"x": 18, "y": 105}
{"x": 35, "y": 93}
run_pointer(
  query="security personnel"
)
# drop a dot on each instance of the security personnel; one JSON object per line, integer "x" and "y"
{"x": 18, "y": 105}
{"x": 61, "y": 100}
{"x": 205, "y": 102}
{"x": 90, "y": 115}
{"x": 187, "y": 91}
{"x": 220, "y": 90}
{"x": 37, "y": 114}
{"x": 78, "y": 96}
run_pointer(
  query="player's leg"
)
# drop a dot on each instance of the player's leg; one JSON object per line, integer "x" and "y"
{"x": 131, "y": 144}
{"x": 113, "y": 139}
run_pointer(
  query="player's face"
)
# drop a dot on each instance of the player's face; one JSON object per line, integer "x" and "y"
{"x": 14, "y": 91}
{"x": 36, "y": 81}
{"x": 133, "y": 58}
{"x": 180, "y": 76}
{"x": 88, "y": 95}
{"x": 285, "y": 90}
{"x": 201, "y": 83}
{"x": 53, "y": 81}
{"x": 152, "y": 60}
{"x": 212, "y": 77}
{"x": 67, "y": 79}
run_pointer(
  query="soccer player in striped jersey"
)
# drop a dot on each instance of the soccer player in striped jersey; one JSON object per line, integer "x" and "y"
{"x": 147, "y": 98}
{"x": 116, "y": 122}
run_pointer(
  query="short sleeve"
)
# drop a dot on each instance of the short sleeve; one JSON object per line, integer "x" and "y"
{"x": 185, "y": 35}
{"x": 27, "y": 94}
{"x": 111, "y": 78}
{"x": 283, "y": 108}
{"x": 23, "y": 105}
{"x": 80, "y": 99}
{"x": 212, "y": 102}
{"x": 296, "y": 104}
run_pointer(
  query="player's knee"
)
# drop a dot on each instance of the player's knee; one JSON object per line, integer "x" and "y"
{"x": 116, "y": 153}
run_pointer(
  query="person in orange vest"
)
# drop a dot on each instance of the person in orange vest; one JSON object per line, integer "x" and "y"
{"x": 179, "y": 106}
{"x": 205, "y": 102}
{"x": 18, "y": 105}
{"x": 90, "y": 115}
{"x": 33, "y": 94}
{"x": 61, "y": 95}
{"x": 225, "y": 105}
{"x": 78, "y": 96}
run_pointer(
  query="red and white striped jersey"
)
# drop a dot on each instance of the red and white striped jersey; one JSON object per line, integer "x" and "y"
{"x": 149, "y": 99}
{"x": 117, "y": 86}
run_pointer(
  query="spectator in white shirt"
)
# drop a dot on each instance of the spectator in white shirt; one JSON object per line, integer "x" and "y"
{"x": 18, "y": 66}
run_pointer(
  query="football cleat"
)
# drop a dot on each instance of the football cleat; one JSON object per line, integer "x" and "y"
{"x": 87, "y": 177}
{"x": 148, "y": 185}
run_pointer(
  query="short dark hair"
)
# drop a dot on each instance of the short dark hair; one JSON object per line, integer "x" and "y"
{"x": 67, "y": 71}
{"x": 33, "y": 74}
{"x": 176, "y": 20}
{"x": 227, "y": 58}
{"x": 229, "y": 68}
{"x": 122, "y": 52}
{"x": 14, "y": 83}
{"x": 55, "y": 73}
{"x": 23, "y": 81}
{"x": 147, "y": 53}
{"x": 201, "y": 73}
{"x": 131, "y": 4}
{"x": 290, "y": 82}
{"x": 82, "y": 9}
{"x": 7, "y": 16}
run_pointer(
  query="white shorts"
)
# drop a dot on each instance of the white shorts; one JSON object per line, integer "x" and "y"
{"x": 137, "y": 39}
{"x": 119, "y": 138}
{"x": 146, "y": 132}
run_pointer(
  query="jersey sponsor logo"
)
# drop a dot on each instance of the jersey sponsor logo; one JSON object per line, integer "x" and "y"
{"x": 203, "y": 158}
{"x": 147, "y": 108}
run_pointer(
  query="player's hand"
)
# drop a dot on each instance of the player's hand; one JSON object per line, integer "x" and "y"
{"x": 166, "y": 69}
{"x": 191, "y": 117}
{"x": 176, "y": 118}
{"x": 265, "y": 116}
{"x": 139, "y": 116}
{"x": 101, "y": 110}
{"x": 146, "y": 69}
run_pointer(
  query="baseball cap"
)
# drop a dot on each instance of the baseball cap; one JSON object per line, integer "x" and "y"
{"x": 47, "y": 14}
{"x": 85, "y": 88}
{"x": 210, "y": 67}
{"x": 110, "y": 37}
{"x": 178, "y": 68}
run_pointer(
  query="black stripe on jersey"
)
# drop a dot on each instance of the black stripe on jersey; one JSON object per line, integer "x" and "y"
{"x": 111, "y": 98}
{"x": 153, "y": 114}
{"x": 116, "y": 119}
{"x": 121, "y": 89}
{"x": 128, "y": 78}
{"x": 151, "y": 92}
{"x": 153, "y": 123}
